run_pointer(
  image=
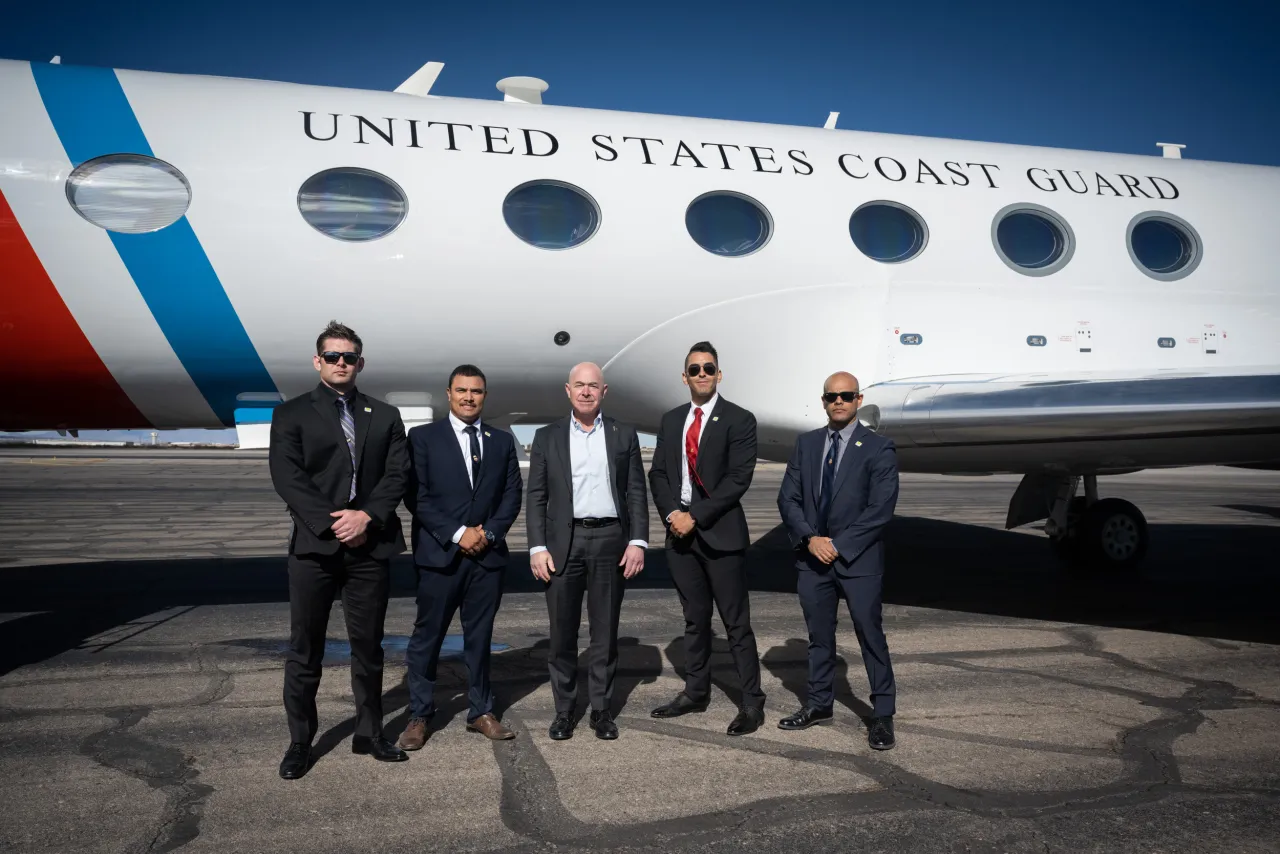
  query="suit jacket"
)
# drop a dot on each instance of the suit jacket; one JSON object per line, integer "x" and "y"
{"x": 549, "y": 511}
{"x": 442, "y": 500}
{"x": 311, "y": 469}
{"x": 726, "y": 464}
{"x": 865, "y": 493}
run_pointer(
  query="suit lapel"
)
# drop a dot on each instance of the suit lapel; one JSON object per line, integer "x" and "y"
{"x": 362, "y": 412}
{"x": 328, "y": 410}
{"x": 453, "y": 450}
{"x": 675, "y": 451}
{"x": 816, "y": 460}
{"x": 560, "y": 441}
{"x": 610, "y": 428}
{"x": 848, "y": 461}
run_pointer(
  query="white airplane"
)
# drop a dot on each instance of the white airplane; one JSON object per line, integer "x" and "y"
{"x": 170, "y": 245}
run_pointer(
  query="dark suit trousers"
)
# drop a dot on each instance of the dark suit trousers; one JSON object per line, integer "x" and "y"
{"x": 313, "y": 581}
{"x": 820, "y": 594}
{"x": 592, "y": 568}
{"x": 703, "y": 575}
{"x": 442, "y": 591}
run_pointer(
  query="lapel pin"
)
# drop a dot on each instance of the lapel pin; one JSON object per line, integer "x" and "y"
{"x": 368, "y": 409}
{"x": 857, "y": 444}
{"x": 715, "y": 417}
{"x": 486, "y": 432}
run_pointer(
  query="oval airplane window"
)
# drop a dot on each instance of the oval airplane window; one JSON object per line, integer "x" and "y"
{"x": 129, "y": 193}
{"x": 551, "y": 214}
{"x": 728, "y": 224}
{"x": 1163, "y": 246}
{"x": 1033, "y": 240}
{"x": 888, "y": 232}
{"x": 352, "y": 204}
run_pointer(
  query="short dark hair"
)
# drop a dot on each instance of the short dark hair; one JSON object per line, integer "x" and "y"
{"x": 703, "y": 347}
{"x": 343, "y": 333}
{"x": 466, "y": 371}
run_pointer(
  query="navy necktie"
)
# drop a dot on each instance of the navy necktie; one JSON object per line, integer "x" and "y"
{"x": 470, "y": 430}
{"x": 828, "y": 484}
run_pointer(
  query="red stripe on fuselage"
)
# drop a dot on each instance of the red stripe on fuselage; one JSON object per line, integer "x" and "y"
{"x": 56, "y": 379}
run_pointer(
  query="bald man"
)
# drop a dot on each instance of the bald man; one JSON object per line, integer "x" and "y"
{"x": 588, "y": 520}
{"x": 837, "y": 496}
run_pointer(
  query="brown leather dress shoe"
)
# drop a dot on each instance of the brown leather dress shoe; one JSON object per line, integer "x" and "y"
{"x": 414, "y": 735}
{"x": 490, "y": 727}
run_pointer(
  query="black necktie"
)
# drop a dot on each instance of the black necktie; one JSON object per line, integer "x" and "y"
{"x": 828, "y": 483}
{"x": 470, "y": 430}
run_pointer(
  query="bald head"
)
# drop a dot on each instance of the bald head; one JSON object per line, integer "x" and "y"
{"x": 841, "y": 381}
{"x": 586, "y": 391}
{"x": 840, "y": 412}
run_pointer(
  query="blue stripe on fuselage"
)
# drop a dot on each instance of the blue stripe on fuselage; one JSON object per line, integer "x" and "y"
{"x": 92, "y": 117}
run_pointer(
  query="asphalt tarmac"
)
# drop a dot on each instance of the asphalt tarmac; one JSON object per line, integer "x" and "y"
{"x": 144, "y": 614}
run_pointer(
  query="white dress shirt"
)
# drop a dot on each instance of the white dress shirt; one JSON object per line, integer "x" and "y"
{"x": 589, "y": 466}
{"x": 464, "y": 444}
{"x": 686, "y": 485}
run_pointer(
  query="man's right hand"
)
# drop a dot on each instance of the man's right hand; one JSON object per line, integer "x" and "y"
{"x": 542, "y": 566}
{"x": 682, "y": 523}
{"x": 471, "y": 542}
{"x": 823, "y": 549}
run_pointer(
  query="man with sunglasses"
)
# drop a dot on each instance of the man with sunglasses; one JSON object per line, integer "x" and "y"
{"x": 702, "y": 466}
{"x": 837, "y": 496}
{"x": 339, "y": 460}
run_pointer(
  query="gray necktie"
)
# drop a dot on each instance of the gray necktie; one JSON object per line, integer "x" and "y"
{"x": 349, "y": 430}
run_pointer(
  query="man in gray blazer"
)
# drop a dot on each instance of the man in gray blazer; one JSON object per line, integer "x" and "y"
{"x": 588, "y": 521}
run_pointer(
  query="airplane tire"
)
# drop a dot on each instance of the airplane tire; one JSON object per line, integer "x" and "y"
{"x": 1112, "y": 535}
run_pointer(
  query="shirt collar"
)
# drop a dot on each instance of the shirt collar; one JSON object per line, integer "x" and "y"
{"x": 846, "y": 433}
{"x": 596, "y": 425}
{"x": 459, "y": 425}
{"x": 706, "y": 407}
{"x": 333, "y": 395}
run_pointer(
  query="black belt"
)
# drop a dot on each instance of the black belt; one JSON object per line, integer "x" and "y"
{"x": 593, "y": 522}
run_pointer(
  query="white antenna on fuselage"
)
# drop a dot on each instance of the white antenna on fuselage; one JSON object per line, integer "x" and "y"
{"x": 831, "y": 121}
{"x": 422, "y": 80}
{"x": 1171, "y": 149}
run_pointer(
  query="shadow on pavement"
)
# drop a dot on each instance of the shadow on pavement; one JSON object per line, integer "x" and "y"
{"x": 1205, "y": 580}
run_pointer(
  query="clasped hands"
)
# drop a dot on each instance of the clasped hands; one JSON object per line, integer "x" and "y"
{"x": 351, "y": 527}
{"x": 473, "y": 541}
{"x": 681, "y": 522}
{"x": 823, "y": 549}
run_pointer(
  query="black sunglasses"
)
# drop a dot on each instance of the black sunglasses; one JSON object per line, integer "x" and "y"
{"x": 709, "y": 368}
{"x": 846, "y": 396}
{"x": 331, "y": 357}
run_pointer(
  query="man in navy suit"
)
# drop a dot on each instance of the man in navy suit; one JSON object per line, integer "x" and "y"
{"x": 837, "y": 495}
{"x": 464, "y": 496}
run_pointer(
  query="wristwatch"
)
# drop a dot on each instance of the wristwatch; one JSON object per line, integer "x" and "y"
{"x": 488, "y": 535}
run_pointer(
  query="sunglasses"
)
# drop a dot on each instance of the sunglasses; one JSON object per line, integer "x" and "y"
{"x": 708, "y": 368}
{"x": 331, "y": 357}
{"x": 846, "y": 396}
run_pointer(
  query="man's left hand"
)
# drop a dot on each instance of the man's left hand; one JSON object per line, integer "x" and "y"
{"x": 632, "y": 561}
{"x": 350, "y": 524}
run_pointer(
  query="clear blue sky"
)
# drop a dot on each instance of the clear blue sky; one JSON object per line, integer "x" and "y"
{"x": 1118, "y": 75}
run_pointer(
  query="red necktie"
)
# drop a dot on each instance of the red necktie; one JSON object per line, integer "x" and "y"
{"x": 691, "y": 445}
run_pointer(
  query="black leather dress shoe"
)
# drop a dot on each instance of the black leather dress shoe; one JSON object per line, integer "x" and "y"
{"x": 379, "y": 748}
{"x": 747, "y": 721}
{"x": 805, "y": 718}
{"x": 562, "y": 727}
{"x": 681, "y": 705}
{"x": 880, "y": 733}
{"x": 296, "y": 762}
{"x": 602, "y": 723}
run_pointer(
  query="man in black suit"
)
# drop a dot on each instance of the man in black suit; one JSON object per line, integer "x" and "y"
{"x": 837, "y": 495}
{"x": 702, "y": 466}
{"x": 464, "y": 497}
{"x": 588, "y": 524}
{"x": 338, "y": 459}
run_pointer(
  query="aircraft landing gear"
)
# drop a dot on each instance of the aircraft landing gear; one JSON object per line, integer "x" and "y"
{"x": 1093, "y": 533}
{"x": 1087, "y": 531}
